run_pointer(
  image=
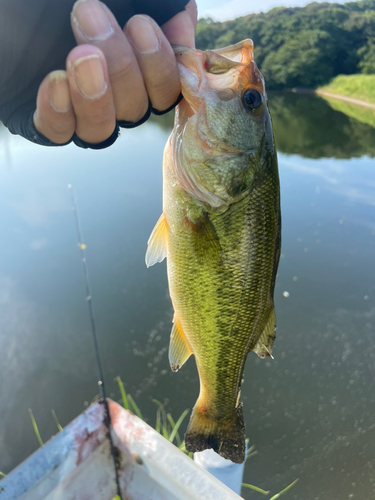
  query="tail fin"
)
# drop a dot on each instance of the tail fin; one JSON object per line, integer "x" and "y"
{"x": 226, "y": 437}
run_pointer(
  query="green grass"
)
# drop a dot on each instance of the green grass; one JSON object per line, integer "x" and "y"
{"x": 127, "y": 401}
{"x": 255, "y": 488}
{"x": 35, "y": 427}
{"x": 165, "y": 424}
{"x": 284, "y": 490}
{"x": 359, "y": 86}
{"x": 263, "y": 492}
{"x": 56, "y": 421}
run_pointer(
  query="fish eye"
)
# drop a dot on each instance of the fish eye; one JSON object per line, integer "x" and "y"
{"x": 252, "y": 101}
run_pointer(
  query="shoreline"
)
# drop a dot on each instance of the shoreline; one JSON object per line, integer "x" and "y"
{"x": 339, "y": 97}
{"x": 365, "y": 104}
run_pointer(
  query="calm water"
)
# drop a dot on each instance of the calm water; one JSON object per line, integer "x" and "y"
{"x": 310, "y": 412}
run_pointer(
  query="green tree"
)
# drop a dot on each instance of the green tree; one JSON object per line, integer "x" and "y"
{"x": 367, "y": 58}
{"x": 302, "y": 61}
{"x": 302, "y": 46}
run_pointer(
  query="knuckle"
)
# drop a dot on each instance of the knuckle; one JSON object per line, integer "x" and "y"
{"x": 163, "y": 93}
{"x": 123, "y": 68}
{"x": 164, "y": 79}
{"x": 95, "y": 126}
{"x": 134, "y": 111}
{"x": 141, "y": 109}
{"x": 100, "y": 119}
{"x": 57, "y": 129}
{"x": 161, "y": 86}
{"x": 60, "y": 139}
{"x": 62, "y": 127}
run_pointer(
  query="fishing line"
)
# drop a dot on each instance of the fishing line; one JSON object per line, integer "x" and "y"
{"x": 101, "y": 385}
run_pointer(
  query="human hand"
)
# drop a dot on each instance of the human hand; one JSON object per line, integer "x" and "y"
{"x": 112, "y": 73}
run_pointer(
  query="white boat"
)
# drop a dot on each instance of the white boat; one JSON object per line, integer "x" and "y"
{"x": 77, "y": 464}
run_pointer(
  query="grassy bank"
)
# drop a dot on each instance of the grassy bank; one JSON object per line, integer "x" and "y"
{"x": 361, "y": 87}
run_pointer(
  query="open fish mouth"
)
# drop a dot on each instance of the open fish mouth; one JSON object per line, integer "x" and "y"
{"x": 226, "y": 73}
{"x": 234, "y": 53}
{"x": 233, "y": 66}
{"x": 205, "y": 72}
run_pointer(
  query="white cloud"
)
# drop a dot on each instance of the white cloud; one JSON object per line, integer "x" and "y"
{"x": 337, "y": 177}
{"x": 38, "y": 243}
{"x": 325, "y": 172}
{"x": 36, "y": 206}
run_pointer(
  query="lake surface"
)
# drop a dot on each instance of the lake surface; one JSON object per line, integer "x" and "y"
{"x": 310, "y": 412}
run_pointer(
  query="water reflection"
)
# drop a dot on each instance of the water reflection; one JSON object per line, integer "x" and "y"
{"x": 359, "y": 113}
{"x": 309, "y": 412}
{"x": 308, "y": 126}
{"x": 314, "y": 127}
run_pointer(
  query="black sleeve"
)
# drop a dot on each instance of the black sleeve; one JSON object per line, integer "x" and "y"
{"x": 35, "y": 39}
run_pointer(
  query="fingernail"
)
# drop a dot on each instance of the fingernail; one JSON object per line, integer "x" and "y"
{"x": 142, "y": 34}
{"x": 59, "y": 94}
{"x": 92, "y": 20}
{"x": 90, "y": 77}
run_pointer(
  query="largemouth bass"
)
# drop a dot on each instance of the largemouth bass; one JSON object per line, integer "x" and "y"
{"x": 220, "y": 231}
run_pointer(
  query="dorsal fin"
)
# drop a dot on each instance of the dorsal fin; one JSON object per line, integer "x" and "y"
{"x": 179, "y": 350}
{"x": 157, "y": 243}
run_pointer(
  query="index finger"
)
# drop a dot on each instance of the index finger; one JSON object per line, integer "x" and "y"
{"x": 180, "y": 30}
{"x": 156, "y": 60}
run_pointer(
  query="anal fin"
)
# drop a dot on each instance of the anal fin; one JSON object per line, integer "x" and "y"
{"x": 179, "y": 350}
{"x": 265, "y": 343}
{"x": 157, "y": 243}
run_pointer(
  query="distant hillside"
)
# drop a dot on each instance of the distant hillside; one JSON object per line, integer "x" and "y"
{"x": 306, "y": 46}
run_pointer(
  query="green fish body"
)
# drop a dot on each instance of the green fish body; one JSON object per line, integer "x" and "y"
{"x": 220, "y": 232}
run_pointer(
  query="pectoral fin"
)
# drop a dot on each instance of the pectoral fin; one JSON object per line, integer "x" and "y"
{"x": 265, "y": 343}
{"x": 205, "y": 239}
{"x": 179, "y": 350}
{"x": 157, "y": 243}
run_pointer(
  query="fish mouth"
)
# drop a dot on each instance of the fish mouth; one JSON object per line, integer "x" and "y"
{"x": 213, "y": 75}
{"x": 228, "y": 72}
{"x": 242, "y": 52}
{"x": 180, "y": 49}
{"x": 221, "y": 63}
{"x": 207, "y": 78}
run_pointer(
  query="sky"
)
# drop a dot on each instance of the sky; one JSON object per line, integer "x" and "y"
{"x": 221, "y": 10}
